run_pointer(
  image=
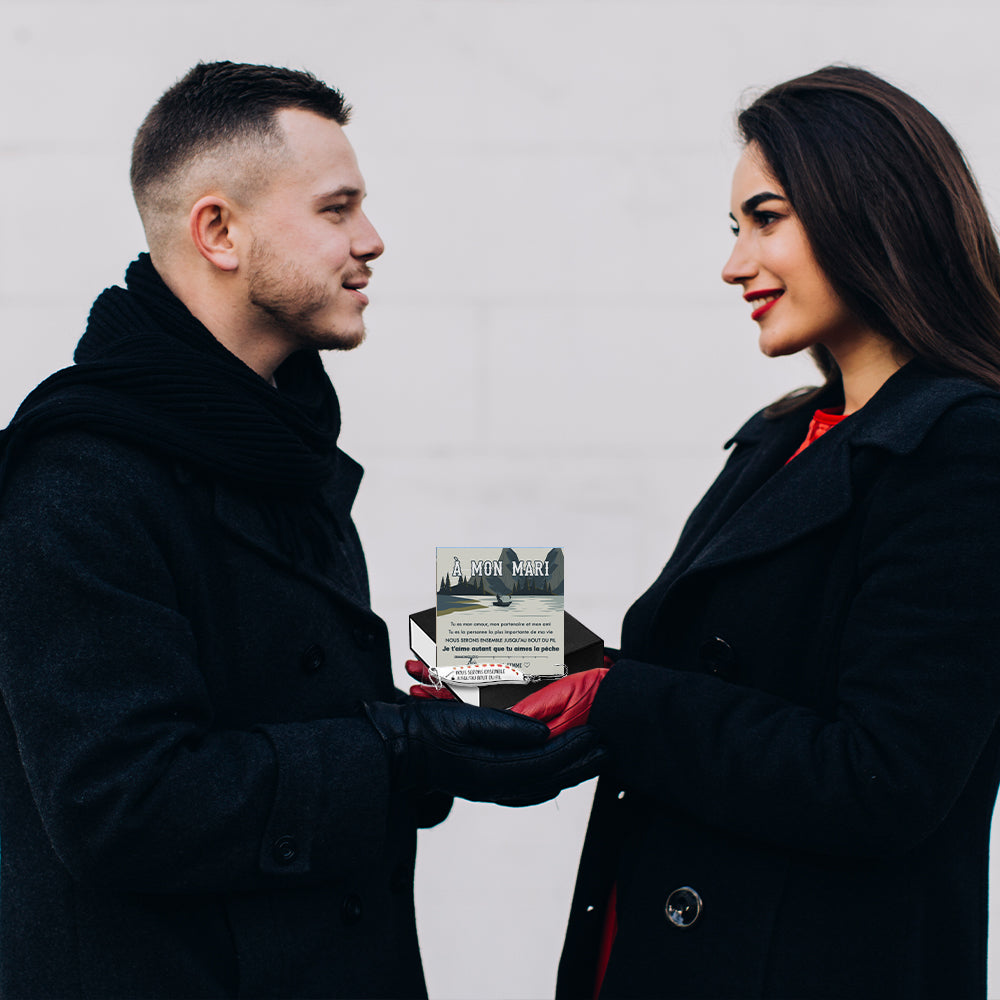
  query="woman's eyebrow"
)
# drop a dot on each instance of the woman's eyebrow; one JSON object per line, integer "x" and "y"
{"x": 751, "y": 203}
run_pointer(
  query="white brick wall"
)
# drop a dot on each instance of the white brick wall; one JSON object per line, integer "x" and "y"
{"x": 551, "y": 178}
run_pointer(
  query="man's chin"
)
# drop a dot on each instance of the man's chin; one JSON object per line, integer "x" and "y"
{"x": 340, "y": 340}
{"x": 350, "y": 343}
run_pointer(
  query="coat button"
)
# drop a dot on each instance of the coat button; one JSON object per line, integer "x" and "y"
{"x": 350, "y": 909}
{"x": 284, "y": 850}
{"x": 718, "y": 657}
{"x": 683, "y": 906}
{"x": 313, "y": 657}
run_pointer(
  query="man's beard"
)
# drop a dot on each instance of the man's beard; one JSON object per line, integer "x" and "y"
{"x": 293, "y": 301}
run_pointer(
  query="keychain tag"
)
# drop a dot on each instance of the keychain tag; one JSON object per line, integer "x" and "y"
{"x": 478, "y": 674}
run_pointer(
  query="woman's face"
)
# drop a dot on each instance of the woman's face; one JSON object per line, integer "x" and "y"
{"x": 791, "y": 300}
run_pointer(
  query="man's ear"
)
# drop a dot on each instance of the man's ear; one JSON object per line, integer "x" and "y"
{"x": 211, "y": 227}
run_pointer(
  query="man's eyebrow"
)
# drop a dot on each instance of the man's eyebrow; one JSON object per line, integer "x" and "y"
{"x": 344, "y": 191}
{"x": 751, "y": 203}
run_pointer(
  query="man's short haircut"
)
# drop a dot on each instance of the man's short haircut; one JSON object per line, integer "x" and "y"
{"x": 217, "y": 105}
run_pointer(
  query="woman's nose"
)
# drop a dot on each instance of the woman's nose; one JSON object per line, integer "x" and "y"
{"x": 740, "y": 266}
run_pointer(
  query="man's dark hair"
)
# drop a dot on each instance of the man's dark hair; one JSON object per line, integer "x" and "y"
{"x": 218, "y": 104}
{"x": 892, "y": 211}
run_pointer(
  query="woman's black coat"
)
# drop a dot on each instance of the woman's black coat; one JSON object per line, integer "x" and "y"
{"x": 803, "y": 720}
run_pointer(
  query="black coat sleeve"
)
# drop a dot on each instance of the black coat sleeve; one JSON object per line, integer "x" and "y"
{"x": 137, "y": 783}
{"x": 918, "y": 691}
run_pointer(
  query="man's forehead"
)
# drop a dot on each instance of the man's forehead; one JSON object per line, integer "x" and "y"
{"x": 306, "y": 130}
{"x": 320, "y": 152}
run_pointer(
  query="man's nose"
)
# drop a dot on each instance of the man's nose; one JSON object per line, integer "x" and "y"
{"x": 367, "y": 244}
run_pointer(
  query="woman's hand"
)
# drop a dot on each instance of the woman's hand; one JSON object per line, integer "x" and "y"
{"x": 418, "y": 670}
{"x": 565, "y": 703}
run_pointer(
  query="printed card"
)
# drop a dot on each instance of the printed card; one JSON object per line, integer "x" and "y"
{"x": 499, "y": 615}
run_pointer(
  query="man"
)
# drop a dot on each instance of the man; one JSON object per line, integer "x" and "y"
{"x": 210, "y": 786}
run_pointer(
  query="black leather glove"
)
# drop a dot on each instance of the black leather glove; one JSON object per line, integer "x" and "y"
{"x": 480, "y": 753}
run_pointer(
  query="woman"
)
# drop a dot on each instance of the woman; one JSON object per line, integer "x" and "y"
{"x": 802, "y": 718}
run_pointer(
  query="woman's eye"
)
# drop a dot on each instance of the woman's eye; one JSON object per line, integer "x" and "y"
{"x": 765, "y": 218}
{"x": 734, "y": 229}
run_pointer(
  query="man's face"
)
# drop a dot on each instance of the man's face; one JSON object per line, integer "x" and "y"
{"x": 311, "y": 241}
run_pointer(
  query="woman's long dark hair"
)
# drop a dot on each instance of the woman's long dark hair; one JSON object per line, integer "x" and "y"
{"x": 892, "y": 211}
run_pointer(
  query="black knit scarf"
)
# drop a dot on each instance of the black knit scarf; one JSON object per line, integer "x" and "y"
{"x": 148, "y": 373}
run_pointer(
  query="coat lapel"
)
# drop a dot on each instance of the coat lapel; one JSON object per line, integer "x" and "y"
{"x": 796, "y": 499}
{"x": 762, "y": 447}
{"x": 243, "y": 518}
{"x": 780, "y": 503}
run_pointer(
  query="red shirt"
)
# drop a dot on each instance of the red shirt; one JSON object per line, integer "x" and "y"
{"x": 822, "y": 421}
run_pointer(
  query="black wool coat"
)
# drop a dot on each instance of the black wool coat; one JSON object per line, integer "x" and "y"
{"x": 803, "y": 721}
{"x": 192, "y": 802}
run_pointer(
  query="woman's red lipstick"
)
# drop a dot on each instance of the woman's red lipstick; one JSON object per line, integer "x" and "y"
{"x": 771, "y": 294}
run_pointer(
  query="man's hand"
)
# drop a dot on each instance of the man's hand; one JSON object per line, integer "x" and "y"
{"x": 480, "y": 753}
{"x": 564, "y": 703}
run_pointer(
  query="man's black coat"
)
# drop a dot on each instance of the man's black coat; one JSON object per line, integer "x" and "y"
{"x": 803, "y": 720}
{"x": 192, "y": 802}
